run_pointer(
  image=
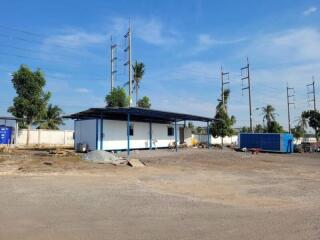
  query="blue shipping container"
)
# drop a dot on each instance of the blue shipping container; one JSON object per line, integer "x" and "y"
{"x": 268, "y": 142}
{"x": 5, "y": 134}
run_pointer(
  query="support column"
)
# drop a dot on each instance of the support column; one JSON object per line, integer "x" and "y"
{"x": 128, "y": 134}
{"x": 101, "y": 133}
{"x": 176, "y": 134}
{"x": 208, "y": 135}
{"x": 150, "y": 135}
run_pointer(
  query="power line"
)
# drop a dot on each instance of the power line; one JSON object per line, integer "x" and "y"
{"x": 313, "y": 93}
{"x": 289, "y": 96}
{"x": 248, "y": 87}
{"x": 113, "y": 63}
{"x": 128, "y": 62}
{"x": 223, "y": 74}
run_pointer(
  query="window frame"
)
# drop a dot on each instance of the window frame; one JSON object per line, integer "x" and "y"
{"x": 170, "y": 134}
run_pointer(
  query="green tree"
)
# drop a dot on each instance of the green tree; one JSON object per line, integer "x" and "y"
{"x": 269, "y": 115}
{"x": 144, "y": 102}
{"x": 275, "y": 127}
{"x": 31, "y": 100}
{"x": 245, "y": 130}
{"x": 298, "y": 131}
{"x": 313, "y": 120}
{"x": 222, "y": 126}
{"x": 191, "y": 126}
{"x": 303, "y": 122}
{"x": 52, "y": 118}
{"x": 259, "y": 129}
{"x": 200, "y": 130}
{"x": 117, "y": 98}
{"x": 138, "y": 72}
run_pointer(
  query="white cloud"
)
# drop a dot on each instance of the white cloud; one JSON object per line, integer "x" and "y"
{"x": 196, "y": 72}
{"x": 151, "y": 31}
{"x": 310, "y": 11}
{"x": 295, "y": 45}
{"x": 82, "y": 90}
{"x": 75, "y": 38}
{"x": 206, "y": 41}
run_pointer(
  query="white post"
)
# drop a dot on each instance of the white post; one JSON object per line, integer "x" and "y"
{"x": 39, "y": 136}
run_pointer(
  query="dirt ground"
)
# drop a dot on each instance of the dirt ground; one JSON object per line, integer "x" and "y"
{"x": 192, "y": 194}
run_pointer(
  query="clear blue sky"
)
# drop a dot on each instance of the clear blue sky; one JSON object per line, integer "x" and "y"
{"x": 182, "y": 43}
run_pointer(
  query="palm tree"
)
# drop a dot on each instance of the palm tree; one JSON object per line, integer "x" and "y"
{"x": 303, "y": 122}
{"x": 52, "y": 118}
{"x": 138, "y": 72}
{"x": 269, "y": 115}
{"x": 223, "y": 105}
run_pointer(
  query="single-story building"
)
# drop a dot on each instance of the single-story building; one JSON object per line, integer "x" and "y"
{"x": 127, "y": 128}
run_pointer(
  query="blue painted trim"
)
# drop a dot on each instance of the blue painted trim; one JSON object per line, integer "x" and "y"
{"x": 176, "y": 134}
{"x": 150, "y": 135}
{"x": 128, "y": 134}
{"x": 101, "y": 134}
{"x": 74, "y": 134}
{"x": 208, "y": 133}
{"x": 97, "y": 134}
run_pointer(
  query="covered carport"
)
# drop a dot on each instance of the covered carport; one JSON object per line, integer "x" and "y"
{"x": 149, "y": 116}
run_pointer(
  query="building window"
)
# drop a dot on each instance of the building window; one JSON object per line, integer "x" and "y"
{"x": 131, "y": 130}
{"x": 170, "y": 131}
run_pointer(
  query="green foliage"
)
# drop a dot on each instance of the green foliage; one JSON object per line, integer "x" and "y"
{"x": 200, "y": 130}
{"x": 52, "y": 119}
{"x": 31, "y": 100}
{"x": 259, "y": 129}
{"x": 274, "y": 127}
{"x": 245, "y": 130}
{"x": 191, "y": 126}
{"x": 117, "y": 98}
{"x": 144, "y": 102}
{"x": 222, "y": 127}
{"x": 298, "y": 131}
{"x": 313, "y": 118}
{"x": 138, "y": 72}
{"x": 269, "y": 115}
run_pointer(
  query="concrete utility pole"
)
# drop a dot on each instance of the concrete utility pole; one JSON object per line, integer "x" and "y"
{"x": 113, "y": 64}
{"x": 128, "y": 49}
{"x": 313, "y": 92}
{"x": 289, "y": 103}
{"x": 249, "y": 90}
{"x": 222, "y": 84}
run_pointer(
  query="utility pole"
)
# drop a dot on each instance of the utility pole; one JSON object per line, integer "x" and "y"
{"x": 313, "y": 92}
{"x": 222, "y": 84}
{"x": 128, "y": 63}
{"x": 113, "y": 63}
{"x": 289, "y": 96}
{"x": 223, "y": 74}
{"x": 247, "y": 67}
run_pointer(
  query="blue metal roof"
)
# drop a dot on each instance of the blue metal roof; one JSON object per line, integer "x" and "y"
{"x": 136, "y": 114}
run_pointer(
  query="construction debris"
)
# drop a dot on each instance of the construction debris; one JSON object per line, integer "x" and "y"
{"x": 99, "y": 156}
{"x": 136, "y": 163}
{"x": 61, "y": 152}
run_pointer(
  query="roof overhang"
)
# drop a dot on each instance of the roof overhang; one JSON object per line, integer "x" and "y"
{"x": 136, "y": 114}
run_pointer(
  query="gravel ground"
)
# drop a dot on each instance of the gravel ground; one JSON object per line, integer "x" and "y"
{"x": 193, "y": 194}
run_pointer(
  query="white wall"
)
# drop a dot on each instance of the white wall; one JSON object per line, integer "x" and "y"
{"x": 203, "y": 138}
{"x": 115, "y": 135}
{"x": 85, "y": 132}
{"x": 47, "y": 137}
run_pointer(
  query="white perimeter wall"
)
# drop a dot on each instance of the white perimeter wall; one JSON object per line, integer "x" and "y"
{"x": 46, "y": 137}
{"x": 226, "y": 140}
{"x": 85, "y": 132}
{"x": 115, "y": 135}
